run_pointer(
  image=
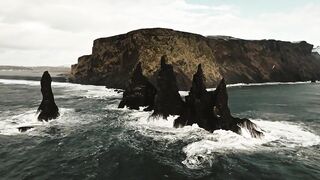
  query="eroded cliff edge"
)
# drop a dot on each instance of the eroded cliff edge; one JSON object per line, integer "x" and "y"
{"x": 247, "y": 61}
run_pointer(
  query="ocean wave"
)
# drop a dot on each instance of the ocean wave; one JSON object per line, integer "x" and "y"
{"x": 277, "y": 135}
{"x": 185, "y": 93}
{"x": 268, "y": 83}
{"x": 25, "y": 82}
{"x": 87, "y": 91}
{"x": 92, "y": 91}
{"x": 202, "y": 146}
{"x": 67, "y": 121}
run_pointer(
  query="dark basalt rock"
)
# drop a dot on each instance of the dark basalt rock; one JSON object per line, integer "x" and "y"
{"x": 48, "y": 108}
{"x": 210, "y": 109}
{"x": 226, "y": 121}
{"x": 24, "y": 128}
{"x": 168, "y": 100}
{"x": 140, "y": 92}
{"x": 247, "y": 124}
{"x": 199, "y": 105}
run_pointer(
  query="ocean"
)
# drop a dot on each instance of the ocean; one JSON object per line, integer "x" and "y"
{"x": 93, "y": 139}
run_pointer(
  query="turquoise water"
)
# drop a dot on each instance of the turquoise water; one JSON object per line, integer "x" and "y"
{"x": 92, "y": 139}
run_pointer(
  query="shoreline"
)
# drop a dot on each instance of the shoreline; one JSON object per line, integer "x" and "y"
{"x": 34, "y": 78}
{"x": 58, "y": 74}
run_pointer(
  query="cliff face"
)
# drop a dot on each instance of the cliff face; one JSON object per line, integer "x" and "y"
{"x": 114, "y": 58}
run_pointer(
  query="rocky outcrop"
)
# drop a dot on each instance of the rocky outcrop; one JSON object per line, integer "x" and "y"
{"x": 140, "y": 92}
{"x": 207, "y": 109}
{"x": 236, "y": 60}
{"x": 168, "y": 100}
{"x": 225, "y": 120}
{"x": 48, "y": 108}
{"x": 210, "y": 109}
{"x": 199, "y": 105}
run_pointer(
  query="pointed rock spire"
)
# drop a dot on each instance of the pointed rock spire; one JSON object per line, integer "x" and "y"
{"x": 221, "y": 101}
{"x": 210, "y": 109}
{"x": 48, "y": 108}
{"x": 168, "y": 100}
{"x": 137, "y": 72}
{"x": 198, "y": 87}
{"x": 163, "y": 61}
{"x": 139, "y": 92}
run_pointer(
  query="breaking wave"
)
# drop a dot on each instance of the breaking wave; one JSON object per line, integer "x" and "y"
{"x": 185, "y": 93}
{"x": 88, "y": 91}
{"x": 68, "y": 121}
{"x": 202, "y": 146}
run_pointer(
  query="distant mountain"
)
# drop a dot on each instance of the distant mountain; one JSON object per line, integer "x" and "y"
{"x": 35, "y": 68}
{"x": 33, "y": 73}
{"x": 16, "y": 68}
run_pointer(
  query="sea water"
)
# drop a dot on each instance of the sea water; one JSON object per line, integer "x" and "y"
{"x": 93, "y": 139}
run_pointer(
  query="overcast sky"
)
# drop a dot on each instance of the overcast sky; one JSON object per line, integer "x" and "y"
{"x": 57, "y": 32}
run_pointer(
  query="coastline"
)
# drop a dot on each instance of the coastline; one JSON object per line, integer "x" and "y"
{"x": 59, "y": 74}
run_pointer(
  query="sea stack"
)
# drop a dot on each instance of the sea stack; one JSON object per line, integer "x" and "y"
{"x": 168, "y": 100}
{"x": 139, "y": 92}
{"x": 210, "y": 109}
{"x": 48, "y": 108}
{"x": 199, "y": 105}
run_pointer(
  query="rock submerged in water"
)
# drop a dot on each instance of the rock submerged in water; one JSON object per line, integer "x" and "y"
{"x": 25, "y": 128}
{"x": 48, "y": 108}
{"x": 208, "y": 109}
{"x": 140, "y": 92}
{"x": 167, "y": 100}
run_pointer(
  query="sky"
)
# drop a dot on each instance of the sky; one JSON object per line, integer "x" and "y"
{"x": 57, "y": 32}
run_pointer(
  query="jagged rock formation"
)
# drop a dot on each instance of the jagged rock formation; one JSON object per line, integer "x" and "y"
{"x": 236, "y": 60}
{"x": 140, "y": 92}
{"x": 199, "y": 105}
{"x": 207, "y": 109}
{"x": 210, "y": 109}
{"x": 168, "y": 100}
{"x": 48, "y": 108}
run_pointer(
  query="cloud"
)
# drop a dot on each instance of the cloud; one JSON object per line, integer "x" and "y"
{"x": 57, "y": 32}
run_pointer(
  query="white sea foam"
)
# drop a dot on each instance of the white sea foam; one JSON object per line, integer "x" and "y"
{"x": 185, "y": 93}
{"x": 268, "y": 83}
{"x": 26, "y": 82}
{"x": 67, "y": 120}
{"x": 201, "y": 146}
{"x": 91, "y": 91}
{"x": 278, "y": 132}
{"x": 277, "y": 135}
{"x": 9, "y": 124}
{"x": 205, "y": 145}
{"x": 88, "y": 91}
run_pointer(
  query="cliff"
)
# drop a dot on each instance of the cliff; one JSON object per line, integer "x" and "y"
{"x": 114, "y": 58}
